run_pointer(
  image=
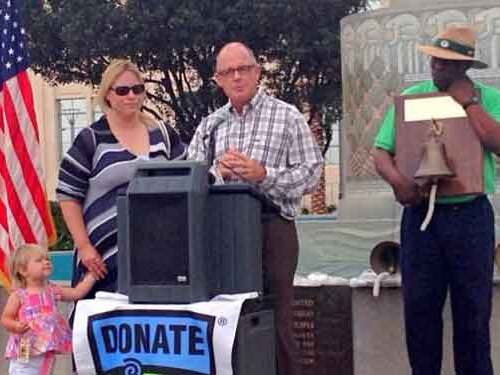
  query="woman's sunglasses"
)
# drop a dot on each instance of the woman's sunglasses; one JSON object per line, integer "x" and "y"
{"x": 124, "y": 90}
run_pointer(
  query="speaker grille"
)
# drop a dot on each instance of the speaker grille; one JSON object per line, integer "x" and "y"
{"x": 159, "y": 239}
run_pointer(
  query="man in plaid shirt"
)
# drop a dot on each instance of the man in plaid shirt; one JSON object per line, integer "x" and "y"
{"x": 259, "y": 139}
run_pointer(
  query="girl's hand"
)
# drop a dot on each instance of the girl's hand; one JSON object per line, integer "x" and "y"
{"x": 21, "y": 327}
{"x": 90, "y": 277}
{"x": 92, "y": 260}
{"x": 81, "y": 290}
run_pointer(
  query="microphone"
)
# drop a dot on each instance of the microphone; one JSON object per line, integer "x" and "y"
{"x": 211, "y": 148}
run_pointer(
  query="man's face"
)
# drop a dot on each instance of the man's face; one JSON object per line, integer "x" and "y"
{"x": 237, "y": 75}
{"x": 445, "y": 72}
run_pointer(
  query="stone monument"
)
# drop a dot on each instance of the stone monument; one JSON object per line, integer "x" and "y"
{"x": 379, "y": 59}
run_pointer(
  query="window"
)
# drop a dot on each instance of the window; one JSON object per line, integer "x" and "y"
{"x": 333, "y": 154}
{"x": 96, "y": 110}
{"x": 72, "y": 117}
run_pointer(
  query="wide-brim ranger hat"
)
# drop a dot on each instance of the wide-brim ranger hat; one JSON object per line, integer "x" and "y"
{"x": 454, "y": 43}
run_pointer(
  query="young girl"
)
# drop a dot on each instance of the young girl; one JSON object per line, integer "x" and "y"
{"x": 38, "y": 330}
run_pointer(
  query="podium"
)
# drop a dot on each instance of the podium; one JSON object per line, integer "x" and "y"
{"x": 234, "y": 216}
{"x": 181, "y": 241}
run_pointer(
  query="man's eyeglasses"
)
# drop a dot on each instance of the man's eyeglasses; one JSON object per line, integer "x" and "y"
{"x": 124, "y": 90}
{"x": 243, "y": 69}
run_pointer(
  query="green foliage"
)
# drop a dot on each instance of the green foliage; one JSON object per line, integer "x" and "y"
{"x": 175, "y": 41}
{"x": 64, "y": 241}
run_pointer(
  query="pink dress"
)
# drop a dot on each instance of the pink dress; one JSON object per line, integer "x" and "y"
{"x": 49, "y": 331}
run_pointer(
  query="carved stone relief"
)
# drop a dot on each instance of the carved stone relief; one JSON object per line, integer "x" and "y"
{"x": 379, "y": 58}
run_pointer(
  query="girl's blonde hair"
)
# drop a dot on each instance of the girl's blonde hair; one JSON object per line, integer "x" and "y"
{"x": 112, "y": 72}
{"x": 19, "y": 261}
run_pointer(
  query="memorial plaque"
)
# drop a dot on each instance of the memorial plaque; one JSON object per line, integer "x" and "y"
{"x": 414, "y": 117}
{"x": 323, "y": 329}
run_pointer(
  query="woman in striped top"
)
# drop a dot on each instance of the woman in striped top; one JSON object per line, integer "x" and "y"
{"x": 100, "y": 164}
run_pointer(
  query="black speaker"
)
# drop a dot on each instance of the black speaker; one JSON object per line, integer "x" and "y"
{"x": 162, "y": 235}
{"x": 161, "y": 238}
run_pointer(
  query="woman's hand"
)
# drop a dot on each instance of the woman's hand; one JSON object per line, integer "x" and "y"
{"x": 92, "y": 260}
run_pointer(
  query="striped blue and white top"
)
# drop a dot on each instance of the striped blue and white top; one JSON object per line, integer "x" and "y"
{"x": 95, "y": 169}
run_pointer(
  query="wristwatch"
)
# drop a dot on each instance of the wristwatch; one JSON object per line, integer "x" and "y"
{"x": 473, "y": 100}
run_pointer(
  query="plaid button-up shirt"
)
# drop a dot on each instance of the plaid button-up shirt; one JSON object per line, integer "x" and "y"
{"x": 275, "y": 134}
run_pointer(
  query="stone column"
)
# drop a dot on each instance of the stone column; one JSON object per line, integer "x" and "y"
{"x": 379, "y": 59}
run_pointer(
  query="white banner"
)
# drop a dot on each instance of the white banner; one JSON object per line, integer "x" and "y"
{"x": 111, "y": 336}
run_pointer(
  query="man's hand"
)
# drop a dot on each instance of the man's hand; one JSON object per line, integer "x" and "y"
{"x": 462, "y": 90}
{"x": 235, "y": 164}
{"x": 407, "y": 192}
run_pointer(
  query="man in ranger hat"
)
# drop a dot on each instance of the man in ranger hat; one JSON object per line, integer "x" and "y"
{"x": 457, "y": 249}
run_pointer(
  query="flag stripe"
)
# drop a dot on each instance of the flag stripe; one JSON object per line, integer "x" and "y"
{"x": 27, "y": 93}
{"x": 29, "y": 173}
{"x": 27, "y": 127}
{"x": 21, "y": 211}
{"x": 15, "y": 205}
{"x": 23, "y": 188}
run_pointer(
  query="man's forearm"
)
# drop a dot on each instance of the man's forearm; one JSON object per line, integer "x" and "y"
{"x": 386, "y": 168}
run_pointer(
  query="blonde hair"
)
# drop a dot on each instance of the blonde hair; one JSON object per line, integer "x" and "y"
{"x": 19, "y": 260}
{"x": 112, "y": 72}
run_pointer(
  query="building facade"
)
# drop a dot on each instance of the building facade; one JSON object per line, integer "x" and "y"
{"x": 61, "y": 112}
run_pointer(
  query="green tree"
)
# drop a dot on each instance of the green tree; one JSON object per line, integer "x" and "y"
{"x": 307, "y": 65}
{"x": 175, "y": 41}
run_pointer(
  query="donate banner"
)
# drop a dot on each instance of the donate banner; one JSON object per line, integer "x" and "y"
{"x": 111, "y": 336}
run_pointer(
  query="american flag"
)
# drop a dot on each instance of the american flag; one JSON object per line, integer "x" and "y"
{"x": 24, "y": 212}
